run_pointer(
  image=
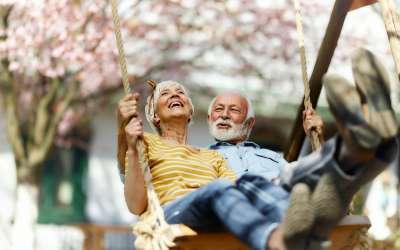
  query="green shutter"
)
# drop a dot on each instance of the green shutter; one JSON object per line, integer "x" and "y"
{"x": 62, "y": 196}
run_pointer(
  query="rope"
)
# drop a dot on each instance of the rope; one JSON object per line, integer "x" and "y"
{"x": 120, "y": 46}
{"x": 151, "y": 230}
{"x": 392, "y": 25}
{"x": 315, "y": 143}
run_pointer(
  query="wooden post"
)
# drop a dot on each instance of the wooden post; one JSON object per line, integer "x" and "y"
{"x": 361, "y": 3}
{"x": 392, "y": 25}
{"x": 321, "y": 66}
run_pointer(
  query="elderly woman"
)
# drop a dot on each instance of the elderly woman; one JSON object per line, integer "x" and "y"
{"x": 196, "y": 187}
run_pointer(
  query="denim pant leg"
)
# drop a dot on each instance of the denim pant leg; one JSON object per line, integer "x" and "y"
{"x": 194, "y": 209}
{"x": 270, "y": 199}
{"x": 311, "y": 168}
{"x": 222, "y": 203}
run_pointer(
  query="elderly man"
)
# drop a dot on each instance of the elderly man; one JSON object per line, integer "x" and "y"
{"x": 231, "y": 119}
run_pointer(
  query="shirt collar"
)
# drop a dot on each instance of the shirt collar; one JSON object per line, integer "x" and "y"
{"x": 219, "y": 144}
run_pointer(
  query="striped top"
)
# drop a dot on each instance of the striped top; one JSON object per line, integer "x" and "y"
{"x": 179, "y": 169}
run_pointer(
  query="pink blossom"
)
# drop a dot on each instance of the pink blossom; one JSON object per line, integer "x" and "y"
{"x": 49, "y": 39}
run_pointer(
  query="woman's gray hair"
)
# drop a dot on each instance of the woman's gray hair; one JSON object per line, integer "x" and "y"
{"x": 152, "y": 100}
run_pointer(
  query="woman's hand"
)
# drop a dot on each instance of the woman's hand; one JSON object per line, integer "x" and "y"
{"x": 312, "y": 121}
{"x": 127, "y": 107}
{"x": 133, "y": 131}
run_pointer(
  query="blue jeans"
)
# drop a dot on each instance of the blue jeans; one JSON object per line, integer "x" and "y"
{"x": 251, "y": 208}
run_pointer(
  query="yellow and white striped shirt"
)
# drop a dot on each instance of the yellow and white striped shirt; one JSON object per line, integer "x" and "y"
{"x": 180, "y": 169}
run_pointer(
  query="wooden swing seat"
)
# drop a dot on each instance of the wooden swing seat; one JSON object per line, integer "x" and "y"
{"x": 340, "y": 237}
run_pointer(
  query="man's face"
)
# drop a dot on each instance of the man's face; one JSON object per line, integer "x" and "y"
{"x": 227, "y": 120}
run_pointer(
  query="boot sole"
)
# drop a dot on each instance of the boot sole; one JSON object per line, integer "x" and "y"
{"x": 373, "y": 85}
{"x": 345, "y": 105}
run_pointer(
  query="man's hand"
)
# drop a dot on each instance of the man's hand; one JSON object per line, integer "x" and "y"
{"x": 312, "y": 121}
{"x": 133, "y": 131}
{"x": 127, "y": 107}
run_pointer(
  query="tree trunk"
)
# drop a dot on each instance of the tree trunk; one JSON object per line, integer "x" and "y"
{"x": 26, "y": 213}
{"x": 20, "y": 232}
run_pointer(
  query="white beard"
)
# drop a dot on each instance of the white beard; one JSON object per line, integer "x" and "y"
{"x": 234, "y": 132}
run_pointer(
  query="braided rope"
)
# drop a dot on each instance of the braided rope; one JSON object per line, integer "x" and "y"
{"x": 315, "y": 143}
{"x": 120, "y": 46}
{"x": 152, "y": 231}
{"x": 392, "y": 25}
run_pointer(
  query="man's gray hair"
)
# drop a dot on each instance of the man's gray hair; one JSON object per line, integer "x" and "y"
{"x": 250, "y": 109}
{"x": 152, "y": 100}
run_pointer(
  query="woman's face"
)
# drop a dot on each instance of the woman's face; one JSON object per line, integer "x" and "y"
{"x": 173, "y": 103}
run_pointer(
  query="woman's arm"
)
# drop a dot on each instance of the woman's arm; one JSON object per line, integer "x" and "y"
{"x": 134, "y": 188}
{"x": 127, "y": 108}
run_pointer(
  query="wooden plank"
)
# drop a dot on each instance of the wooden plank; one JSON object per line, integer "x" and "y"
{"x": 210, "y": 241}
{"x": 339, "y": 237}
{"x": 321, "y": 66}
{"x": 191, "y": 240}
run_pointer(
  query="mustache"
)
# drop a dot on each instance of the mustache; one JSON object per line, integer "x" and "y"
{"x": 224, "y": 122}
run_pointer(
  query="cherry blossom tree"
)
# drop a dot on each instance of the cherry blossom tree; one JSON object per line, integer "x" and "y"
{"x": 247, "y": 42}
{"x": 56, "y": 54}
{"x": 58, "y": 57}
{"x": 53, "y": 55}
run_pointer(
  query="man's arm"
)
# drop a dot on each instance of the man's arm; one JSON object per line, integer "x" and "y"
{"x": 130, "y": 128}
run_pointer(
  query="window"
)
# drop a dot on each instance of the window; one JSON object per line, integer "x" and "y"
{"x": 62, "y": 189}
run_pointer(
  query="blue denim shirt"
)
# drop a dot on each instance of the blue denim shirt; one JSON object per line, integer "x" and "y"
{"x": 248, "y": 157}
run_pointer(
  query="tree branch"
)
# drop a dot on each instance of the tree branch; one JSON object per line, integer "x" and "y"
{"x": 39, "y": 153}
{"x": 42, "y": 113}
{"x": 14, "y": 129}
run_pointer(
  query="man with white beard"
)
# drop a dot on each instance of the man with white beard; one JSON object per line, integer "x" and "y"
{"x": 231, "y": 119}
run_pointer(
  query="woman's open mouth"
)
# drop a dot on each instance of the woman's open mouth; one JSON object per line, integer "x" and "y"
{"x": 175, "y": 104}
